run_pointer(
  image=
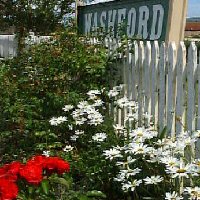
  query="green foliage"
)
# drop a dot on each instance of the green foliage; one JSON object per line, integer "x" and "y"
{"x": 39, "y": 16}
{"x": 35, "y": 86}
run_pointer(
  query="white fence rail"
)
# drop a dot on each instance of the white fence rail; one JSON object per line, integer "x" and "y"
{"x": 165, "y": 81}
{"x": 8, "y": 44}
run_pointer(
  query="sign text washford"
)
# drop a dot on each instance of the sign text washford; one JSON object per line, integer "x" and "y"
{"x": 146, "y": 19}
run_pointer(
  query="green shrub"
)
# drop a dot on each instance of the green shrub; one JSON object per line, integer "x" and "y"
{"x": 35, "y": 86}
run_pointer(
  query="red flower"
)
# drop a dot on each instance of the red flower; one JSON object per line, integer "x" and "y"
{"x": 39, "y": 160}
{"x": 2, "y": 172}
{"x": 13, "y": 167}
{"x": 8, "y": 190}
{"x": 10, "y": 171}
{"x": 32, "y": 173}
{"x": 55, "y": 164}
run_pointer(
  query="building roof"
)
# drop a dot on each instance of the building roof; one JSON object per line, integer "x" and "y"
{"x": 192, "y": 26}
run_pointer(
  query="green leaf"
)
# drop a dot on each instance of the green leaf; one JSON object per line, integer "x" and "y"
{"x": 61, "y": 181}
{"x": 163, "y": 133}
{"x": 95, "y": 193}
{"x": 83, "y": 197}
{"x": 45, "y": 186}
{"x": 30, "y": 190}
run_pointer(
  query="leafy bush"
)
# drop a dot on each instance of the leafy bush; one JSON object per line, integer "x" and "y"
{"x": 35, "y": 85}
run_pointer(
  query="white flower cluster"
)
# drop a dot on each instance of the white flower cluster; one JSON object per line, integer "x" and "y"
{"x": 68, "y": 108}
{"x": 93, "y": 94}
{"x": 87, "y": 113}
{"x": 115, "y": 91}
{"x": 68, "y": 148}
{"x": 144, "y": 146}
{"x": 57, "y": 121}
{"x": 99, "y": 137}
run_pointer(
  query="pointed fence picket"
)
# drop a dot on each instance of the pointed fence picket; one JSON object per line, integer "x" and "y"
{"x": 165, "y": 82}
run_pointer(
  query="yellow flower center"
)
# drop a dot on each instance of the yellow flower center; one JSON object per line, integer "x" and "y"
{"x": 140, "y": 149}
{"x": 198, "y": 163}
{"x": 181, "y": 171}
{"x": 140, "y": 134}
{"x": 171, "y": 163}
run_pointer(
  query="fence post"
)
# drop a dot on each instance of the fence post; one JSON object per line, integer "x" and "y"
{"x": 171, "y": 89}
{"x": 147, "y": 65}
{"x": 191, "y": 68}
{"x": 181, "y": 63}
{"x": 162, "y": 90}
{"x": 140, "y": 84}
{"x": 154, "y": 84}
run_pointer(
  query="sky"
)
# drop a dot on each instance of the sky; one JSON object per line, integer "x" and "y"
{"x": 193, "y": 8}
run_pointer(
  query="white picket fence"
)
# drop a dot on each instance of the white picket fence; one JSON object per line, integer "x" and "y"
{"x": 165, "y": 81}
{"x": 8, "y": 44}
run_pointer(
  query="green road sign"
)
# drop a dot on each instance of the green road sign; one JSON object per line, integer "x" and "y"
{"x": 147, "y": 19}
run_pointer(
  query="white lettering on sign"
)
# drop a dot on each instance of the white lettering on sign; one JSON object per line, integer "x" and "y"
{"x": 121, "y": 15}
{"x": 95, "y": 23}
{"x": 158, "y": 15}
{"x": 111, "y": 19}
{"x": 88, "y": 22}
{"x": 121, "y": 18}
{"x": 138, "y": 21}
{"x": 131, "y": 22}
{"x": 103, "y": 19}
{"x": 143, "y": 22}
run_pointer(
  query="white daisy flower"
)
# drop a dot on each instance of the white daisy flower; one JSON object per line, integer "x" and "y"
{"x": 120, "y": 177}
{"x": 196, "y": 134}
{"x": 94, "y": 92}
{"x": 140, "y": 148}
{"x": 98, "y": 103}
{"x": 193, "y": 192}
{"x": 79, "y": 132}
{"x": 68, "y": 108}
{"x": 181, "y": 170}
{"x": 62, "y": 119}
{"x": 112, "y": 153}
{"x": 53, "y": 121}
{"x": 95, "y": 118}
{"x": 82, "y": 104}
{"x": 68, "y": 148}
{"x": 56, "y": 121}
{"x": 131, "y": 185}
{"x": 99, "y": 137}
{"x": 80, "y": 121}
{"x": 74, "y": 137}
{"x": 119, "y": 128}
{"x": 147, "y": 116}
{"x": 130, "y": 172}
{"x": 70, "y": 126}
{"x": 139, "y": 133}
{"x": 113, "y": 93}
{"x": 119, "y": 87}
{"x": 128, "y": 161}
{"x": 153, "y": 180}
{"x": 46, "y": 153}
{"x": 172, "y": 196}
{"x": 123, "y": 102}
{"x": 170, "y": 161}
{"x": 132, "y": 117}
